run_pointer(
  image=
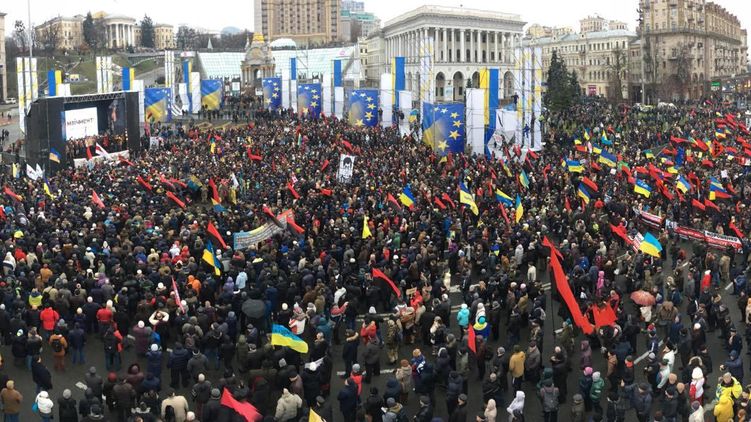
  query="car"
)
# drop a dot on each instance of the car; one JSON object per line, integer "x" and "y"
{"x": 10, "y": 101}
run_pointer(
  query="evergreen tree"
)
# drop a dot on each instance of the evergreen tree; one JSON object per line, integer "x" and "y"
{"x": 574, "y": 88}
{"x": 89, "y": 32}
{"x": 563, "y": 86}
{"x": 147, "y": 32}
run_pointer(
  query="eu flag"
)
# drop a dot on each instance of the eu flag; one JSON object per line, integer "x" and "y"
{"x": 309, "y": 100}
{"x": 443, "y": 126}
{"x": 363, "y": 107}
{"x": 272, "y": 92}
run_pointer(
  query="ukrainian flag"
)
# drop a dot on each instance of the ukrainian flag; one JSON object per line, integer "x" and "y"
{"x": 519, "y": 209}
{"x": 503, "y": 198}
{"x": 210, "y": 258}
{"x": 642, "y": 188}
{"x": 407, "y": 198}
{"x": 466, "y": 198}
{"x": 682, "y": 184}
{"x": 218, "y": 208}
{"x": 596, "y": 150}
{"x": 282, "y": 336}
{"x": 604, "y": 140}
{"x": 650, "y": 245}
{"x": 54, "y": 155}
{"x": 47, "y": 189}
{"x": 574, "y": 166}
{"x": 608, "y": 159}
{"x": 583, "y": 193}
{"x": 586, "y": 135}
{"x": 523, "y": 179}
{"x": 649, "y": 154}
{"x": 719, "y": 135}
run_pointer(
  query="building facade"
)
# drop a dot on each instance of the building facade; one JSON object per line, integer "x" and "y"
{"x": 307, "y": 22}
{"x": 67, "y": 32}
{"x": 164, "y": 36}
{"x": 684, "y": 46}
{"x": 596, "y": 56}
{"x": 3, "y": 61}
{"x": 120, "y": 31}
{"x": 464, "y": 42}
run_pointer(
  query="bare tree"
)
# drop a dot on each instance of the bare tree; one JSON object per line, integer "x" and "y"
{"x": 20, "y": 35}
{"x": 677, "y": 82}
{"x": 617, "y": 69}
{"x": 49, "y": 39}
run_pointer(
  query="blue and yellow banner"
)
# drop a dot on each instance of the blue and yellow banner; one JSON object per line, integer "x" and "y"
{"x": 54, "y": 79}
{"x": 397, "y": 79}
{"x": 309, "y": 100}
{"x": 363, "y": 107}
{"x": 156, "y": 103}
{"x": 443, "y": 127}
{"x": 129, "y": 75}
{"x": 489, "y": 82}
{"x": 211, "y": 94}
{"x": 272, "y": 92}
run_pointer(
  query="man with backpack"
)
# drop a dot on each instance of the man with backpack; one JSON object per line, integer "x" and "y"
{"x": 112, "y": 346}
{"x": 549, "y": 396}
{"x": 59, "y": 346}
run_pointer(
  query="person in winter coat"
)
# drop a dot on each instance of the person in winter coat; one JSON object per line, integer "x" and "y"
{"x": 595, "y": 392}
{"x": 287, "y": 406}
{"x": 723, "y": 411}
{"x": 491, "y": 412}
{"x": 11, "y": 401}
{"x": 404, "y": 377}
{"x": 44, "y": 406}
{"x": 142, "y": 335}
{"x": 641, "y": 400}
{"x": 41, "y": 375}
{"x": 348, "y": 400}
{"x": 372, "y": 358}
{"x": 734, "y": 365}
{"x": 67, "y": 408}
{"x": 697, "y": 412}
{"x": 178, "y": 404}
{"x": 516, "y": 404}
{"x": 454, "y": 388}
{"x": 154, "y": 359}
{"x": 549, "y": 397}
{"x": 393, "y": 390}
{"x": 696, "y": 388}
{"x": 373, "y": 404}
{"x": 201, "y": 393}
{"x": 311, "y": 383}
{"x": 125, "y": 396}
{"x": 585, "y": 358}
{"x": 577, "y": 408}
{"x": 212, "y": 408}
{"x": 585, "y": 387}
{"x": 462, "y": 318}
{"x": 460, "y": 413}
{"x": 425, "y": 412}
{"x": 516, "y": 367}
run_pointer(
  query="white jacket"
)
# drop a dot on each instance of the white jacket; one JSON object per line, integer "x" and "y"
{"x": 44, "y": 403}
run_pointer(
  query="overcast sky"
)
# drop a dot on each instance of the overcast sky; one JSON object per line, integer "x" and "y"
{"x": 218, "y": 14}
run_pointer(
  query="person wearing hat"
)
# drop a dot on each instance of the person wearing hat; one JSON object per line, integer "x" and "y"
{"x": 577, "y": 408}
{"x": 287, "y": 406}
{"x": 425, "y": 412}
{"x": 201, "y": 392}
{"x": 212, "y": 408}
{"x": 67, "y": 408}
{"x": 373, "y": 405}
{"x": 11, "y": 400}
{"x": 323, "y": 409}
{"x": 641, "y": 399}
{"x": 460, "y": 412}
{"x": 734, "y": 365}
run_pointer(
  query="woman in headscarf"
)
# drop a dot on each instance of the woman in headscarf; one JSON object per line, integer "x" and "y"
{"x": 516, "y": 404}
{"x": 490, "y": 411}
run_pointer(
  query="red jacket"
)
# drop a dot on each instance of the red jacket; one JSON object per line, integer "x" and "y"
{"x": 49, "y": 318}
{"x": 104, "y": 315}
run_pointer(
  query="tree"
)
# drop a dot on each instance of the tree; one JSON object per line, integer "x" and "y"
{"x": 185, "y": 38}
{"x": 232, "y": 41}
{"x": 49, "y": 39}
{"x": 90, "y": 32}
{"x": 563, "y": 87}
{"x": 147, "y": 32}
{"x": 679, "y": 79}
{"x": 20, "y": 35}
{"x": 617, "y": 70}
{"x": 355, "y": 30}
{"x": 574, "y": 87}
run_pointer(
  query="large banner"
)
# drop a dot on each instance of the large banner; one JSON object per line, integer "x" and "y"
{"x": 156, "y": 105}
{"x": 112, "y": 158}
{"x": 363, "y": 107}
{"x": 272, "y": 92}
{"x": 443, "y": 127}
{"x": 195, "y": 92}
{"x": 309, "y": 100}
{"x": 244, "y": 240}
{"x": 211, "y": 94}
{"x": 475, "y": 132}
{"x": 80, "y": 123}
{"x": 346, "y": 168}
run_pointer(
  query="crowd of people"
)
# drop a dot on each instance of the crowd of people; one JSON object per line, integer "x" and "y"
{"x": 120, "y": 256}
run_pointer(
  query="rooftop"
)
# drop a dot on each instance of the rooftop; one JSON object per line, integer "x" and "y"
{"x": 454, "y": 11}
{"x": 588, "y": 35}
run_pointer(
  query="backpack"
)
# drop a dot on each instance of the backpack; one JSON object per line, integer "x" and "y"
{"x": 549, "y": 399}
{"x": 110, "y": 343}
{"x": 57, "y": 345}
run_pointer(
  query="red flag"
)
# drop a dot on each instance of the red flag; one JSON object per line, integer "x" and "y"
{"x": 144, "y": 183}
{"x": 390, "y": 198}
{"x": 324, "y": 165}
{"x": 214, "y": 192}
{"x": 88, "y": 154}
{"x": 736, "y": 230}
{"x": 254, "y": 157}
{"x": 517, "y": 150}
{"x": 211, "y": 229}
{"x": 292, "y": 190}
{"x": 707, "y": 163}
{"x": 295, "y": 227}
{"x": 699, "y": 205}
{"x": 730, "y": 189}
{"x": 678, "y": 140}
{"x": 545, "y": 172}
{"x": 178, "y": 182}
{"x": 448, "y": 199}
{"x": 2, "y": 213}
{"x": 326, "y": 192}
{"x": 505, "y": 215}
{"x": 595, "y": 166}
{"x": 175, "y": 199}
{"x": 379, "y": 274}
{"x": 438, "y": 202}
{"x": 124, "y": 160}
{"x": 533, "y": 154}
{"x": 244, "y": 409}
{"x": 271, "y": 216}
{"x": 567, "y": 204}
{"x": 177, "y": 295}
{"x": 666, "y": 192}
{"x": 620, "y": 231}
{"x": 471, "y": 339}
{"x": 166, "y": 182}
{"x": 96, "y": 200}
{"x": 12, "y": 194}
{"x": 604, "y": 315}
{"x": 590, "y": 183}
{"x": 347, "y": 145}
{"x": 548, "y": 244}
{"x": 711, "y": 204}
{"x": 564, "y": 290}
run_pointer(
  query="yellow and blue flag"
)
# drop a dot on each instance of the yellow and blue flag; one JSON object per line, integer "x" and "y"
{"x": 586, "y": 135}
{"x": 156, "y": 104}
{"x": 650, "y": 245}
{"x": 47, "y": 189}
{"x": 716, "y": 190}
{"x": 309, "y": 100}
{"x": 466, "y": 198}
{"x": 211, "y": 94}
{"x": 604, "y": 140}
{"x": 503, "y": 198}
{"x": 608, "y": 159}
{"x": 406, "y": 197}
{"x": 523, "y": 179}
{"x": 363, "y": 108}
{"x": 583, "y": 193}
{"x": 682, "y": 184}
{"x": 282, "y": 336}
{"x": 574, "y": 166}
{"x": 210, "y": 258}
{"x": 272, "y": 92}
{"x": 519, "y": 212}
{"x": 218, "y": 208}
{"x": 641, "y": 187}
{"x": 55, "y": 155}
{"x": 596, "y": 150}
{"x": 443, "y": 127}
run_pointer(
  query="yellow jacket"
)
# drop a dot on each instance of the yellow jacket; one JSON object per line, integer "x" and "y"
{"x": 723, "y": 411}
{"x": 516, "y": 364}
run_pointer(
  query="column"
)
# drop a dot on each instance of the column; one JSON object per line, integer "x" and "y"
{"x": 478, "y": 47}
{"x": 445, "y": 44}
{"x": 462, "y": 53}
{"x": 495, "y": 44}
{"x": 454, "y": 58}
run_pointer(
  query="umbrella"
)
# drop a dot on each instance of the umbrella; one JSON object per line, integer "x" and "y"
{"x": 640, "y": 297}
{"x": 254, "y": 308}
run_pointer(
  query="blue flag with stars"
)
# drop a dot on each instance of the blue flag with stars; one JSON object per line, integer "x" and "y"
{"x": 309, "y": 100}
{"x": 363, "y": 107}
{"x": 443, "y": 127}
{"x": 272, "y": 92}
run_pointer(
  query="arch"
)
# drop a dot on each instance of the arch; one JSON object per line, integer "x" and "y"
{"x": 440, "y": 86}
{"x": 476, "y": 80}
{"x": 458, "y": 83}
{"x": 508, "y": 84}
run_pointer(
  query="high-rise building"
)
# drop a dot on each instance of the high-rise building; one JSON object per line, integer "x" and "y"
{"x": 308, "y": 22}
{"x": 3, "y": 72}
{"x": 686, "y": 44}
{"x": 356, "y": 22}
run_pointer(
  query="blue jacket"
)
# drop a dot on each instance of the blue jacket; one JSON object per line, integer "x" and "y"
{"x": 462, "y": 317}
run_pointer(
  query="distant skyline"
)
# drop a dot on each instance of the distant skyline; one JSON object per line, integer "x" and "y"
{"x": 224, "y": 13}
